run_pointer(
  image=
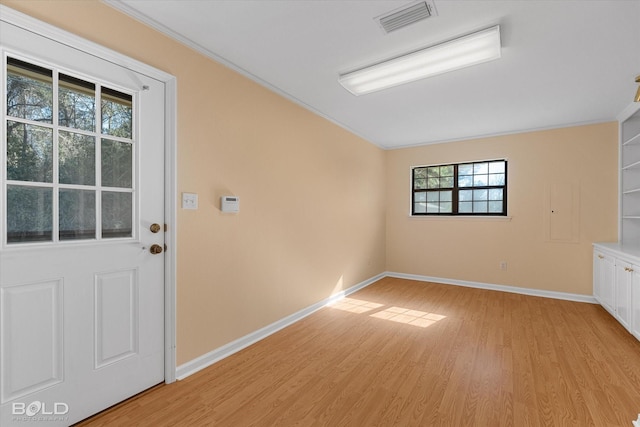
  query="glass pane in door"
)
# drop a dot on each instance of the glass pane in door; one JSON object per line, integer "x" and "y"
{"x": 77, "y": 214}
{"x": 29, "y": 214}
{"x": 117, "y": 163}
{"x": 117, "y": 214}
{"x": 29, "y": 152}
{"x": 29, "y": 91}
{"x": 76, "y": 158}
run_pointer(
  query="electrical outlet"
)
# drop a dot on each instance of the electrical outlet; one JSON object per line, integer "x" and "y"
{"x": 503, "y": 265}
{"x": 189, "y": 201}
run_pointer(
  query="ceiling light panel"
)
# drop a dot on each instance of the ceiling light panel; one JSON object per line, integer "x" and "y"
{"x": 462, "y": 52}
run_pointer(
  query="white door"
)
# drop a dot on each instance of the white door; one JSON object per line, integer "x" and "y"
{"x": 81, "y": 294}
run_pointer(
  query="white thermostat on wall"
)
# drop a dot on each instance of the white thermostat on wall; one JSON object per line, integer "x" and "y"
{"x": 230, "y": 204}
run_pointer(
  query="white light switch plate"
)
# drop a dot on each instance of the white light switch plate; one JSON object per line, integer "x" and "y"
{"x": 189, "y": 201}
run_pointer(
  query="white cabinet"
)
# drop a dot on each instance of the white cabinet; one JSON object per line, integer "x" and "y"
{"x": 616, "y": 283}
{"x": 616, "y": 266}
{"x": 624, "y": 279}
{"x": 604, "y": 277}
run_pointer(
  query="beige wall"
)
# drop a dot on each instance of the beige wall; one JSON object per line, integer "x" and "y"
{"x": 319, "y": 205}
{"x": 542, "y": 251}
{"x": 312, "y": 195}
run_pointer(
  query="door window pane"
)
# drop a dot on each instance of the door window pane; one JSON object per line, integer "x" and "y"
{"x": 117, "y": 214}
{"x": 77, "y": 158}
{"x": 117, "y": 113}
{"x": 29, "y": 152}
{"x": 117, "y": 161}
{"x": 87, "y": 143}
{"x": 29, "y": 214}
{"x": 29, "y": 91}
{"x": 76, "y": 103}
{"x": 77, "y": 214}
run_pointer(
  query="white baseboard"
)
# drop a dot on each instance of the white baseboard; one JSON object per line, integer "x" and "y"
{"x": 492, "y": 287}
{"x": 227, "y": 350}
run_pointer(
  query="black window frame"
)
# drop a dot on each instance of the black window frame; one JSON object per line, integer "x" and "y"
{"x": 456, "y": 188}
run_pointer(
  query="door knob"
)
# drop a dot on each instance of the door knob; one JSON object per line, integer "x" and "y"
{"x": 154, "y": 228}
{"x": 155, "y": 249}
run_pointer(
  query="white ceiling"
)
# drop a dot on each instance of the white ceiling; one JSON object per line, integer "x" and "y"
{"x": 564, "y": 62}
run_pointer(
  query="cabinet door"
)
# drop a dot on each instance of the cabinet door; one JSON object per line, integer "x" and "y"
{"x": 604, "y": 273}
{"x": 635, "y": 301}
{"x": 624, "y": 277}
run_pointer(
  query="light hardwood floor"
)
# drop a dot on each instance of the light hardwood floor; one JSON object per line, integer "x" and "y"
{"x": 406, "y": 353}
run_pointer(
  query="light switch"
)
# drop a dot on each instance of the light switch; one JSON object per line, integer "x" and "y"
{"x": 189, "y": 201}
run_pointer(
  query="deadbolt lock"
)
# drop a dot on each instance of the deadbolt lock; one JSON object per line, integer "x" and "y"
{"x": 154, "y": 228}
{"x": 155, "y": 249}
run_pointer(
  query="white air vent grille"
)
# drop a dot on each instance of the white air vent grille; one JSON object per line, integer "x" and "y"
{"x": 406, "y": 15}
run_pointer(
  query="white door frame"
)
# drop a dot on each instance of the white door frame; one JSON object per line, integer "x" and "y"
{"x": 21, "y": 20}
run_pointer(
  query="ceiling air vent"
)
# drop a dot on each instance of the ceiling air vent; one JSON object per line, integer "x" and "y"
{"x": 406, "y": 15}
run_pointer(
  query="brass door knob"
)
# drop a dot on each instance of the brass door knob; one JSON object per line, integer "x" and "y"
{"x": 155, "y": 249}
{"x": 154, "y": 228}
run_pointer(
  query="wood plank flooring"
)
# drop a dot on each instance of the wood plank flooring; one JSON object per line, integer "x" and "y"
{"x": 406, "y": 353}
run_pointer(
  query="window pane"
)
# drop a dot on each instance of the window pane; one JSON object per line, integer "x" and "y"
{"x": 479, "y": 207}
{"x": 433, "y": 172}
{"x": 465, "y": 195}
{"x": 433, "y": 183}
{"x": 117, "y": 160}
{"x": 465, "y": 180}
{"x": 445, "y": 207}
{"x": 117, "y": 214}
{"x": 433, "y": 196}
{"x": 480, "y": 194}
{"x": 495, "y": 207}
{"x": 433, "y": 207}
{"x": 29, "y": 214}
{"x": 77, "y": 214}
{"x": 420, "y": 173}
{"x": 480, "y": 180}
{"x": 420, "y": 208}
{"x": 420, "y": 197}
{"x": 495, "y": 194}
{"x": 420, "y": 184}
{"x": 116, "y": 113}
{"x": 465, "y": 207}
{"x": 466, "y": 169}
{"x": 77, "y": 158}
{"x": 496, "y": 179}
{"x": 445, "y": 196}
{"x": 29, "y": 152}
{"x": 446, "y": 182}
{"x": 496, "y": 167}
{"x": 480, "y": 168}
{"x": 29, "y": 91}
{"x": 76, "y": 103}
{"x": 446, "y": 170}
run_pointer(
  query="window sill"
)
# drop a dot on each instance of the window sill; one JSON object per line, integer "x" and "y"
{"x": 460, "y": 217}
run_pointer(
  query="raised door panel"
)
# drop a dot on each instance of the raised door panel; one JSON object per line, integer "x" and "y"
{"x": 33, "y": 361}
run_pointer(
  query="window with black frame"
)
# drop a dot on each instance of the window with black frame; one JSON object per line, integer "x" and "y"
{"x": 473, "y": 188}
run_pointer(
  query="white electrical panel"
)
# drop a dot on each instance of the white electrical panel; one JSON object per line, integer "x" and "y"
{"x": 230, "y": 204}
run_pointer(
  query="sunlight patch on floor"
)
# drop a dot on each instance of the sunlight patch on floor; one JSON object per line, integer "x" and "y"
{"x": 422, "y": 319}
{"x": 355, "y": 305}
{"x": 407, "y": 316}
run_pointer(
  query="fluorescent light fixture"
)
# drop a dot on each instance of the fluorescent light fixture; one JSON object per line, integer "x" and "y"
{"x": 462, "y": 52}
